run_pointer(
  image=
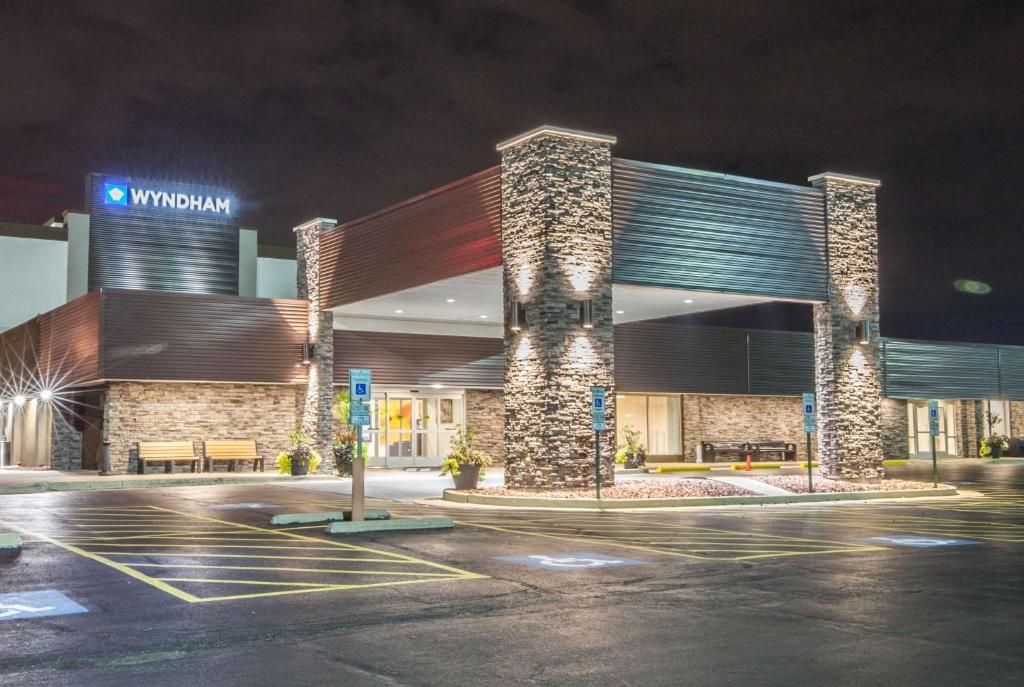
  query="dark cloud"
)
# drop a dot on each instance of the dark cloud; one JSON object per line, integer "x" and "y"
{"x": 339, "y": 108}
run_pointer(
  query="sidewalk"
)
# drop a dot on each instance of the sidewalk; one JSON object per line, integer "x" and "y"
{"x": 14, "y": 481}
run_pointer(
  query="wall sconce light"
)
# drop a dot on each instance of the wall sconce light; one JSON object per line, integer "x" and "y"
{"x": 308, "y": 350}
{"x": 587, "y": 314}
{"x": 863, "y": 331}
{"x": 516, "y": 316}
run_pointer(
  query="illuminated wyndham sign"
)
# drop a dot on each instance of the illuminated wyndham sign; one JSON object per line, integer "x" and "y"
{"x": 125, "y": 195}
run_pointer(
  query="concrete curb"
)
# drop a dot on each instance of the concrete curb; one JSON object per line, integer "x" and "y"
{"x": 105, "y": 483}
{"x": 9, "y": 540}
{"x": 688, "y": 501}
{"x": 329, "y": 516}
{"x": 350, "y": 527}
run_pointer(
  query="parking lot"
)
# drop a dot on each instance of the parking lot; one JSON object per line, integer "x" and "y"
{"x": 155, "y": 586}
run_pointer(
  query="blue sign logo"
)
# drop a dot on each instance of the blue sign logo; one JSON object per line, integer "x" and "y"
{"x": 26, "y": 605}
{"x": 571, "y": 561}
{"x": 360, "y": 389}
{"x": 115, "y": 194}
{"x": 923, "y": 542}
{"x": 598, "y": 403}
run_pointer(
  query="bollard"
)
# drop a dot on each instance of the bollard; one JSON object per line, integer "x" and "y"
{"x": 105, "y": 470}
{"x": 5, "y": 453}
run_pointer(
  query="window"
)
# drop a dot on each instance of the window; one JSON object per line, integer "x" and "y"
{"x": 656, "y": 418}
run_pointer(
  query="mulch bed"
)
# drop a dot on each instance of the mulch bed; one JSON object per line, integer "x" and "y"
{"x": 798, "y": 484}
{"x": 630, "y": 490}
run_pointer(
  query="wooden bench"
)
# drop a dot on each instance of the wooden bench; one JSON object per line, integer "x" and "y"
{"x": 232, "y": 450}
{"x": 166, "y": 452}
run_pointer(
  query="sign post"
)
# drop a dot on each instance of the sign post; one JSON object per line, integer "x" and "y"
{"x": 809, "y": 426}
{"x": 358, "y": 416}
{"x": 933, "y": 430}
{"x": 597, "y": 421}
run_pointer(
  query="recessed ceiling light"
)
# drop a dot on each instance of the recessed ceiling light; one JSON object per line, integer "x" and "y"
{"x": 449, "y": 300}
{"x": 399, "y": 312}
{"x": 437, "y": 386}
{"x": 483, "y": 317}
{"x": 620, "y": 312}
{"x": 688, "y": 300}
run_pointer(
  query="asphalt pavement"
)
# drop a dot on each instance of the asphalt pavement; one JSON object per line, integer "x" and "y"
{"x": 194, "y": 586}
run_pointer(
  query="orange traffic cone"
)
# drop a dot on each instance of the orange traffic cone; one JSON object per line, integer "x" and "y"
{"x": 748, "y": 463}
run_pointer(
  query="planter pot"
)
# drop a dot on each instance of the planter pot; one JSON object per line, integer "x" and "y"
{"x": 997, "y": 452}
{"x": 469, "y": 477}
{"x": 300, "y": 467}
{"x": 635, "y": 460}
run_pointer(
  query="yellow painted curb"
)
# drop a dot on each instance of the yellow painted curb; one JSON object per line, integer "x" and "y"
{"x": 682, "y": 468}
{"x": 894, "y": 462}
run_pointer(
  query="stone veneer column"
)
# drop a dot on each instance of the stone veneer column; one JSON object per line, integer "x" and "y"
{"x": 848, "y": 373}
{"x": 317, "y": 420}
{"x": 556, "y": 252}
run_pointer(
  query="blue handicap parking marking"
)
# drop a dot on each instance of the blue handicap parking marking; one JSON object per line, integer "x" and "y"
{"x": 24, "y": 605}
{"x": 923, "y": 542}
{"x": 571, "y": 561}
{"x": 232, "y": 506}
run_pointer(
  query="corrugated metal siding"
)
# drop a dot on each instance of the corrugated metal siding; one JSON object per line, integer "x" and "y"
{"x": 672, "y": 358}
{"x": 447, "y": 232}
{"x": 683, "y": 228}
{"x": 781, "y": 363}
{"x": 924, "y": 369}
{"x": 69, "y": 342}
{"x": 19, "y": 352}
{"x": 151, "y": 335}
{"x": 420, "y": 359}
{"x": 1011, "y": 372}
{"x": 162, "y": 249}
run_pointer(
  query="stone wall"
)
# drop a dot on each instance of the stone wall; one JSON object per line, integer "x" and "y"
{"x": 65, "y": 444}
{"x": 556, "y": 252}
{"x": 1017, "y": 418}
{"x": 967, "y": 428}
{"x": 485, "y": 415}
{"x": 152, "y": 411}
{"x": 847, "y": 372}
{"x": 742, "y": 418}
{"x": 895, "y": 431}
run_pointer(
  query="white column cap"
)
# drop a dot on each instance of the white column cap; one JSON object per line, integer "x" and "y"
{"x": 848, "y": 178}
{"x": 555, "y": 131}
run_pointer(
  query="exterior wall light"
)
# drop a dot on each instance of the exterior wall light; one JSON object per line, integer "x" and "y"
{"x": 587, "y": 314}
{"x": 308, "y": 350}
{"x": 19, "y": 400}
{"x": 516, "y": 316}
{"x": 45, "y": 395}
{"x": 863, "y": 331}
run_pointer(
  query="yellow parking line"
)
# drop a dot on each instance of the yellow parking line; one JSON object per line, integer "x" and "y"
{"x": 165, "y": 554}
{"x": 113, "y": 564}
{"x": 272, "y": 568}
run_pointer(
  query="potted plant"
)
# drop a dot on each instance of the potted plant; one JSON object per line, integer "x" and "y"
{"x": 993, "y": 446}
{"x": 466, "y": 463}
{"x": 300, "y": 458}
{"x": 632, "y": 454}
{"x": 345, "y": 440}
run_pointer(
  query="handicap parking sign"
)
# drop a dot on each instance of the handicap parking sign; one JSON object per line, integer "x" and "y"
{"x": 27, "y": 605}
{"x": 923, "y": 542}
{"x": 571, "y": 561}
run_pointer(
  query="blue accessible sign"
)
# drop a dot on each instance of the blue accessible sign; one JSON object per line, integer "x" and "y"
{"x": 571, "y": 561}
{"x": 597, "y": 409}
{"x": 923, "y": 542}
{"x": 25, "y": 605}
{"x": 933, "y": 418}
{"x": 359, "y": 385}
{"x": 808, "y": 413}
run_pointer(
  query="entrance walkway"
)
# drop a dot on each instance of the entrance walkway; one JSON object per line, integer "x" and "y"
{"x": 14, "y": 481}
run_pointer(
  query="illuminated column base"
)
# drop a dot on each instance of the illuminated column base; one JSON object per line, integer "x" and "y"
{"x": 847, "y": 351}
{"x": 556, "y": 253}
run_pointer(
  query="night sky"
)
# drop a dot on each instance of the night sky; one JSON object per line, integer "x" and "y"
{"x": 337, "y": 109}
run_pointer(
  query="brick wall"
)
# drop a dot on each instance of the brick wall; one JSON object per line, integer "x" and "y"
{"x": 894, "y": 428}
{"x": 1017, "y": 418}
{"x": 485, "y": 415}
{"x": 741, "y": 418}
{"x": 145, "y": 411}
{"x": 65, "y": 444}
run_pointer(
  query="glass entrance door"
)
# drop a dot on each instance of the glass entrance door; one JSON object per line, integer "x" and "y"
{"x": 412, "y": 429}
{"x": 920, "y": 437}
